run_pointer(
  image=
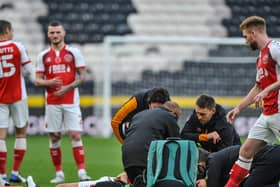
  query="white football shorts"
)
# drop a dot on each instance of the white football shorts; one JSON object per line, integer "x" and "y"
{"x": 18, "y": 112}
{"x": 63, "y": 117}
{"x": 266, "y": 128}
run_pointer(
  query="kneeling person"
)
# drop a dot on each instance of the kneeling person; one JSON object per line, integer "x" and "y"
{"x": 154, "y": 124}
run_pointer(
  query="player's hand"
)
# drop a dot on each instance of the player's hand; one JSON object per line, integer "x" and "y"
{"x": 231, "y": 115}
{"x": 61, "y": 91}
{"x": 259, "y": 98}
{"x": 258, "y": 104}
{"x": 214, "y": 136}
{"x": 55, "y": 82}
{"x": 201, "y": 183}
{"x": 122, "y": 177}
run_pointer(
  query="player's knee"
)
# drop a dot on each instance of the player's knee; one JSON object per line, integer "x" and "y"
{"x": 75, "y": 136}
{"x": 54, "y": 137}
{"x": 21, "y": 132}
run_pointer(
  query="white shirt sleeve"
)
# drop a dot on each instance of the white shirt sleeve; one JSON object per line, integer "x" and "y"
{"x": 23, "y": 52}
{"x": 39, "y": 63}
{"x": 274, "y": 49}
{"x": 28, "y": 68}
{"x": 79, "y": 59}
{"x": 30, "y": 71}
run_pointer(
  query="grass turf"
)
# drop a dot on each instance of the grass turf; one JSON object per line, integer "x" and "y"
{"x": 103, "y": 157}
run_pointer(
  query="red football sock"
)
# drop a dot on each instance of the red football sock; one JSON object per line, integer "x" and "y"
{"x": 79, "y": 155}
{"x": 3, "y": 158}
{"x": 56, "y": 158}
{"x": 237, "y": 175}
{"x": 18, "y": 157}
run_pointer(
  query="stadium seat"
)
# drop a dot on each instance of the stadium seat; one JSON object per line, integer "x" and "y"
{"x": 99, "y": 14}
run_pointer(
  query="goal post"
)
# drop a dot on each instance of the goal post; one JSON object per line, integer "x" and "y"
{"x": 120, "y": 51}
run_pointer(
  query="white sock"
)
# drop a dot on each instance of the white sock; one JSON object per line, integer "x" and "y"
{"x": 3, "y": 147}
{"x": 14, "y": 172}
{"x": 20, "y": 143}
{"x": 244, "y": 162}
{"x": 81, "y": 172}
{"x": 60, "y": 173}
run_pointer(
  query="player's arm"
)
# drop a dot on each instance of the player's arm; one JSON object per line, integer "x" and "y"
{"x": 77, "y": 82}
{"x": 40, "y": 75}
{"x": 41, "y": 81}
{"x": 121, "y": 115}
{"x": 75, "y": 184}
{"x": 80, "y": 67}
{"x": 248, "y": 100}
{"x": 263, "y": 93}
{"x": 29, "y": 71}
{"x": 28, "y": 68}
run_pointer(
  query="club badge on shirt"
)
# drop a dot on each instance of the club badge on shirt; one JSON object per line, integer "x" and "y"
{"x": 68, "y": 58}
{"x": 57, "y": 59}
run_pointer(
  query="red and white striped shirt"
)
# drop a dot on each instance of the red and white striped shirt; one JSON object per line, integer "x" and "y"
{"x": 268, "y": 72}
{"x": 13, "y": 56}
{"x": 64, "y": 65}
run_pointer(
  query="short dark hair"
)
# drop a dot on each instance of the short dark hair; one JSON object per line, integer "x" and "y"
{"x": 55, "y": 23}
{"x": 158, "y": 95}
{"x": 205, "y": 101}
{"x": 4, "y": 25}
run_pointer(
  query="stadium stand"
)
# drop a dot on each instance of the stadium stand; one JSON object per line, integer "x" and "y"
{"x": 24, "y": 23}
{"x": 167, "y": 18}
{"x": 243, "y": 8}
{"x": 266, "y": 9}
{"x": 92, "y": 20}
{"x": 171, "y": 18}
{"x": 222, "y": 82}
{"x": 178, "y": 17}
{"x": 135, "y": 66}
{"x": 88, "y": 22}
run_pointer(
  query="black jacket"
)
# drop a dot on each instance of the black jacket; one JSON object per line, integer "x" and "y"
{"x": 136, "y": 103}
{"x": 193, "y": 129}
{"x": 146, "y": 126}
{"x": 265, "y": 170}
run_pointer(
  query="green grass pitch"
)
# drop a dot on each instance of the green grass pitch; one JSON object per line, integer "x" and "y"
{"x": 103, "y": 157}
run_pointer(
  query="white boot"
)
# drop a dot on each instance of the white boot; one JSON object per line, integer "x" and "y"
{"x": 59, "y": 178}
{"x": 30, "y": 182}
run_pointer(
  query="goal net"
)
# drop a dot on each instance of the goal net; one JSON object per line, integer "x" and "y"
{"x": 186, "y": 66}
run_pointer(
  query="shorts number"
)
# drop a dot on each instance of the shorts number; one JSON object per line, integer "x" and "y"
{"x": 5, "y": 64}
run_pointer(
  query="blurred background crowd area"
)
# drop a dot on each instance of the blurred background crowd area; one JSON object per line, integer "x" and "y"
{"x": 185, "y": 69}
